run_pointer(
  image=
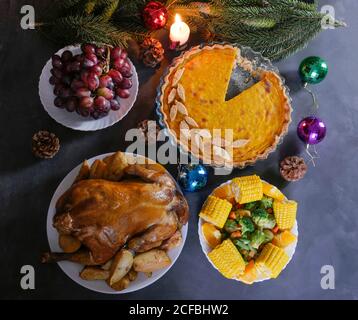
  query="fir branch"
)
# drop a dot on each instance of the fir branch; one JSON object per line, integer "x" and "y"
{"x": 296, "y": 24}
{"x": 260, "y": 22}
{"x": 65, "y": 7}
{"x": 278, "y": 42}
{"x": 89, "y": 6}
{"x": 189, "y": 12}
{"x": 92, "y": 6}
{"x": 132, "y": 7}
{"x": 104, "y": 2}
{"x": 109, "y": 10}
{"x": 130, "y": 21}
{"x": 277, "y": 28}
{"x": 292, "y": 46}
{"x": 237, "y": 3}
{"x": 66, "y": 4}
{"x": 276, "y": 13}
{"x": 79, "y": 29}
{"x": 296, "y": 4}
{"x": 252, "y": 13}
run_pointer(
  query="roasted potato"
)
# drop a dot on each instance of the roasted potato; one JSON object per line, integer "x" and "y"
{"x": 122, "y": 263}
{"x": 136, "y": 244}
{"x": 94, "y": 273}
{"x": 68, "y": 243}
{"x": 98, "y": 170}
{"x": 173, "y": 242}
{"x": 124, "y": 282}
{"x": 84, "y": 172}
{"x": 107, "y": 265}
{"x": 151, "y": 260}
{"x": 132, "y": 274}
{"x": 93, "y": 168}
{"x": 121, "y": 284}
{"x": 108, "y": 160}
{"x": 116, "y": 164}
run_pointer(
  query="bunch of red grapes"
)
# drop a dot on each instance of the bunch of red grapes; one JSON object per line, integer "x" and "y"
{"x": 93, "y": 82}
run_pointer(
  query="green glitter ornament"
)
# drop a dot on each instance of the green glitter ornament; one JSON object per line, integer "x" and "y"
{"x": 313, "y": 70}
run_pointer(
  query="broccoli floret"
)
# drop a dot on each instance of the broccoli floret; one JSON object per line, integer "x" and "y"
{"x": 252, "y": 205}
{"x": 263, "y": 219}
{"x": 246, "y": 225}
{"x": 242, "y": 244}
{"x": 257, "y": 238}
{"x": 268, "y": 235}
{"x": 259, "y": 213}
{"x": 231, "y": 226}
{"x": 271, "y": 222}
{"x": 266, "y": 202}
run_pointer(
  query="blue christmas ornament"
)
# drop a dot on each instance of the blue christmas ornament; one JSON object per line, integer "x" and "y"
{"x": 192, "y": 177}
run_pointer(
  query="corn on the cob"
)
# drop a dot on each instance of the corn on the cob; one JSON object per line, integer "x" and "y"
{"x": 216, "y": 211}
{"x": 272, "y": 191}
{"x": 272, "y": 260}
{"x": 227, "y": 259}
{"x": 285, "y": 213}
{"x": 247, "y": 189}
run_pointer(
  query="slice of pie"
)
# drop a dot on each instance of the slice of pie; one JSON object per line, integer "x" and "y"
{"x": 194, "y": 107}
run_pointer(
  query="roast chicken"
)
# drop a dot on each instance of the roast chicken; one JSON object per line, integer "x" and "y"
{"x": 140, "y": 212}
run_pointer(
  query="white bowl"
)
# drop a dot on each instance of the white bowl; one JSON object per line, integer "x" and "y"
{"x": 290, "y": 249}
{"x": 73, "y": 269}
{"x": 72, "y": 119}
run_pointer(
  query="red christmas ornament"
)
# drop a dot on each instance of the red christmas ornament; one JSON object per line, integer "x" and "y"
{"x": 155, "y": 15}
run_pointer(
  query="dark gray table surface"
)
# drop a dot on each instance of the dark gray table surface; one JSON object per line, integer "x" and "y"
{"x": 327, "y": 196}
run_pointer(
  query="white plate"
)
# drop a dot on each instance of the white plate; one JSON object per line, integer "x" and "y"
{"x": 73, "y": 269}
{"x": 72, "y": 119}
{"x": 290, "y": 250}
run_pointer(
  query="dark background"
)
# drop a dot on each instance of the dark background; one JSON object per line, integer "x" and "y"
{"x": 327, "y": 195}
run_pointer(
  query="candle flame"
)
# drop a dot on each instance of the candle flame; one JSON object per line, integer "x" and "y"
{"x": 177, "y": 18}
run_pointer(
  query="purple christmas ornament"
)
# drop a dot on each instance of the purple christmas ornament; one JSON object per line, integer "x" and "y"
{"x": 311, "y": 130}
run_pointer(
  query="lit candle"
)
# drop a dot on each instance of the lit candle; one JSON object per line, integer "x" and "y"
{"x": 179, "y": 33}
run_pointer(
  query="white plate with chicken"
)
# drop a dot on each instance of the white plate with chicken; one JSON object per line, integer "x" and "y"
{"x": 116, "y": 223}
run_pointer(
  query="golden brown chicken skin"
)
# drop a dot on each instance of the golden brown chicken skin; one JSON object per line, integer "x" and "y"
{"x": 140, "y": 211}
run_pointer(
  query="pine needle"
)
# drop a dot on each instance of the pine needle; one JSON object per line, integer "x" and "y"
{"x": 89, "y": 6}
{"x": 66, "y": 4}
{"x": 79, "y": 29}
{"x": 109, "y": 10}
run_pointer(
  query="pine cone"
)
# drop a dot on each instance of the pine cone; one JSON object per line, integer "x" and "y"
{"x": 293, "y": 168}
{"x": 151, "y": 52}
{"x": 149, "y": 130}
{"x": 45, "y": 144}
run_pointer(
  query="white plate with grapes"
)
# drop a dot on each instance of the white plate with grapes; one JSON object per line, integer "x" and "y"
{"x": 88, "y": 87}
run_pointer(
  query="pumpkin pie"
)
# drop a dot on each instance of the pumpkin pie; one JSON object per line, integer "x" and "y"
{"x": 194, "y": 106}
